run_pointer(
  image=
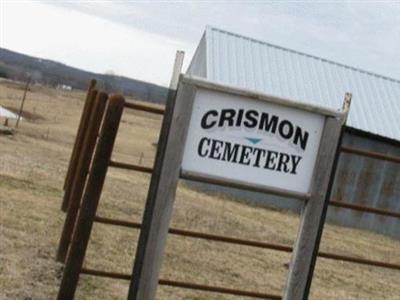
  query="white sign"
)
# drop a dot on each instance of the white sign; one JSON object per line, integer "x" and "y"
{"x": 241, "y": 139}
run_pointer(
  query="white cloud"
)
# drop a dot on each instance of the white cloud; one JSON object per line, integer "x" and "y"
{"x": 141, "y": 36}
{"x": 88, "y": 42}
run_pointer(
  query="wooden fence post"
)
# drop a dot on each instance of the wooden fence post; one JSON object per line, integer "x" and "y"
{"x": 79, "y": 140}
{"x": 21, "y": 109}
{"x": 313, "y": 216}
{"x": 91, "y": 197}
{"x": 161, "y": 192}
{"x": 79, "y": 180}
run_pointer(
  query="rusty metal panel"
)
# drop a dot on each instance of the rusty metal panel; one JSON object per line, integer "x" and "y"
{"x": 360, "y": 181}
{"x": 369, "y": 182}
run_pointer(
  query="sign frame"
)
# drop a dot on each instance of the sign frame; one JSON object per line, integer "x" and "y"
{"x": 167, "y": 172}
{"x": 203, "y": 84}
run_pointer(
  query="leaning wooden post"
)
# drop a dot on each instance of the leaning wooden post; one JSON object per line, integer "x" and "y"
{"x": 80, "y": 134}
{"x": 78, "y": 185}
{"x": 314, "y": 213}
{"x": 161, "y": 192}
{"x": 21, "y": 109}
{"x": 79, "y": 139}
{"x": 91, "y": 197}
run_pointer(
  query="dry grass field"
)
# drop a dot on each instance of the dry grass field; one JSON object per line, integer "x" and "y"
{"x": 33, "y": 164}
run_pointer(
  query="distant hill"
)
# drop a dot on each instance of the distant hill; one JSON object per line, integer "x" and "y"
{"x": 18, "y": 66}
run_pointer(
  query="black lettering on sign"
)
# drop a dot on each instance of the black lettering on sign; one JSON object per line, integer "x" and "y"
{"x": 239, "y": 118}
{"x": 286, "y": 129}
{"x": 295, "y": 162}
{"x": 259, "y": 153}
{"x": 230, "y": 152}
{"x": 201, "y": 150}
{"x": 249, "y": 156}
{"x": 270, "y": 160}
{"x": 268, "y": 123}
{"x": 251, "y": 118}
{"x": 244, "y": 157}
{"x": 206, "y": 121}
{"x": 215, "y": 152}
{"x": 300, "y": 137}
{"x": 236, "y": 118}
{"x": 226, "y": 118}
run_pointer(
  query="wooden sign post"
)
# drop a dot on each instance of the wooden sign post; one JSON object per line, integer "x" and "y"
{"x": 232, "y": 137}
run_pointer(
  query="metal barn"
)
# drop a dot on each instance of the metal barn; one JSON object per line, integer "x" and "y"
{"x": 373, "y": 125}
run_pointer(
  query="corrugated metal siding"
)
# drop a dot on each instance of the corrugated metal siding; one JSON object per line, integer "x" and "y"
{"x": 359, "y": 180}
{"x": 369, "y": 182}
{"x": 251, "y": 64}
{"x": 198, "y": 65}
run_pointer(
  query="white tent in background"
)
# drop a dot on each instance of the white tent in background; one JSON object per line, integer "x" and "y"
{"x": 5, "y": 113}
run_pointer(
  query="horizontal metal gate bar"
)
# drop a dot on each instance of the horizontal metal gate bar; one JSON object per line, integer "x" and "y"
{"x": 251, "y": 243}
{"x": 370, "y": 154}
{"x": 146, "y": 108}
{"x": 367, "y": 209}
{"x": 132, "y": 167}
{"x": 186, "y": 285}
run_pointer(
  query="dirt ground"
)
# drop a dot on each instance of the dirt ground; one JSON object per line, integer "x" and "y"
{"x": 33, "y": 164}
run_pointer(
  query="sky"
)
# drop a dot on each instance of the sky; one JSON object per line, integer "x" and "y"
{"x": 139, "y": 39}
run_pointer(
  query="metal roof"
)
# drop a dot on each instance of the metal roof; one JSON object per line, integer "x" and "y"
{"x": 248, "y": 63}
